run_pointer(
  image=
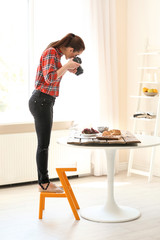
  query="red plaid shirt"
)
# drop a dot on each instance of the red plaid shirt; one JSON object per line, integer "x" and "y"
{"x": 46, "y": 77}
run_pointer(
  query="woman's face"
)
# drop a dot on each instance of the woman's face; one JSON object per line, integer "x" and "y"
{"x": 69, "y": 53}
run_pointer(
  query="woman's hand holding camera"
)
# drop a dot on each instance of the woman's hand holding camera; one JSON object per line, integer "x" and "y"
{"x": 73, "y": 70}
{"x": 72, "y": 66}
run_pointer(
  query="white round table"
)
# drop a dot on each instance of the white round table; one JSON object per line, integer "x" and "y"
{"x": 111, "y": 211}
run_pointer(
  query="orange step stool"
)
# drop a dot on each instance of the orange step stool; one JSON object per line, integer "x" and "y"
{"x": 68, "y": 193}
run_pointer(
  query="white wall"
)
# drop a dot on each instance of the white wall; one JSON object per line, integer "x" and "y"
{"x": 143, "y": 23}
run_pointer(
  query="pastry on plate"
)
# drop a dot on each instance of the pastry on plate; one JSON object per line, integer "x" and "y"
{"x": 111, "y": 132}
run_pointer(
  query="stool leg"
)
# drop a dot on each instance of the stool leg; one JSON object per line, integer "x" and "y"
{"x": 41, "y": 205}
{"x": 70, "y": 200}
{"x": 71, "y": 191}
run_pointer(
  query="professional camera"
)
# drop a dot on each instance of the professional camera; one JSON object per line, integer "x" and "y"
{"x": 79, "y": 69}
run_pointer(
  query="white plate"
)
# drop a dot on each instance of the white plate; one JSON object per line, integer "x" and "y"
{"x": 89, "y": 135}
{"x": 81, "y": 135}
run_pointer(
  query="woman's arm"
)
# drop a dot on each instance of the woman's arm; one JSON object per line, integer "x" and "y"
{"x": 70, "y": 65}
{"x": 48, "y": 62}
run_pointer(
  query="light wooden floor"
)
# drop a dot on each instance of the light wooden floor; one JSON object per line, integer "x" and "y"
{"x": 19, "y": 211}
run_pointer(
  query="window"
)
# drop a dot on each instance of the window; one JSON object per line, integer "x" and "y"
{"x": 26, "y": 32}
{"x": 13, "y": 59}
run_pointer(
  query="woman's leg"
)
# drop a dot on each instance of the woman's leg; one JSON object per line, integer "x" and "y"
{"x": 41, "y": 107}
{"x": 43, "y": 125}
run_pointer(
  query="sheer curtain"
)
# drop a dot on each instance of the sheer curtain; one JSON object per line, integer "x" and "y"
{"x": 103, "y": 25}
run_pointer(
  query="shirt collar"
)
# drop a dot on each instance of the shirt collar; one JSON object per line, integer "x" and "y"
{"x": 59, "y": 51}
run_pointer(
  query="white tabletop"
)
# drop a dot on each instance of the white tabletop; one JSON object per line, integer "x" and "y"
{"x": 146, "y": 141}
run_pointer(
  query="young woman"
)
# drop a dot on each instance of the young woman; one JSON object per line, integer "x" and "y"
{"x": 47, "y": 83}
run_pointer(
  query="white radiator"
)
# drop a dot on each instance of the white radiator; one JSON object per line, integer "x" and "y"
{"x": 18, "y": 151}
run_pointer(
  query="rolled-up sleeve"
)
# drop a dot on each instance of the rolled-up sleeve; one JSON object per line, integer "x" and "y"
{"x": 49, "y": 68}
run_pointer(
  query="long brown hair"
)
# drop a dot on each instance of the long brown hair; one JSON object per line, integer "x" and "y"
{"x": 70, "y": 40}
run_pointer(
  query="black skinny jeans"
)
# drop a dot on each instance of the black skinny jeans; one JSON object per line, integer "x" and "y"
{"x": 41, "y": 107}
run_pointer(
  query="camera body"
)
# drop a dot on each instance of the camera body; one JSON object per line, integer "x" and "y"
{"x": 79, "y": 69}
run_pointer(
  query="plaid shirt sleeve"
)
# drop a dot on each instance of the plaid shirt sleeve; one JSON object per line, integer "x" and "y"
{"x": 46, "y": 77}
{"x": 49, "y": 68}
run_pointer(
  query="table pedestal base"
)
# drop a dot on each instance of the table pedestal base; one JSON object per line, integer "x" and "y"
{"x": 110, "y": 211}
{"x": 101, "y": 214}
